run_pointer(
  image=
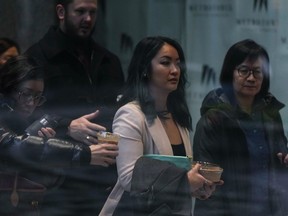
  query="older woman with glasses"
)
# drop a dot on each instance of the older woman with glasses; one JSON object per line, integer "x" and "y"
{"x": 241, "y": 130}
{"x": 27, "y": 162}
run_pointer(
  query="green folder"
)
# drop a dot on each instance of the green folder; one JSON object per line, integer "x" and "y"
{"x": 180, "y": 161}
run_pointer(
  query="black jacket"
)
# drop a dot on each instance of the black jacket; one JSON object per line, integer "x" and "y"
{"x": 219, "y": 139}
{"x": 37, "y": 151}
{"x": 73, "y": 89}
{"x": 29, "y": 166}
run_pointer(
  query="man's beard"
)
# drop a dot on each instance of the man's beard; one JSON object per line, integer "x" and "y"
{"x": 72, "y": 31}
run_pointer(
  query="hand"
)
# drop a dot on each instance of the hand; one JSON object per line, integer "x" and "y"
{"x": 196, "y": 180}
{"x": 83, "y": 130}
{"x": 103, "y": 154}
{"x": 46, "y": 132}
{"x": 283, "y": 158}
{"x": 207, "y": 190}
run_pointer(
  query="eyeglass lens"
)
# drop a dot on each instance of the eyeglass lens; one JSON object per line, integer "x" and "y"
{"x": 246, "y": 72}
{"x": 28, "y": 97}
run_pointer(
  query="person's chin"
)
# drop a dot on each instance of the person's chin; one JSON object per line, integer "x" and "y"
{"x": 84, "y": 34}
{"x": 25, "y": 114}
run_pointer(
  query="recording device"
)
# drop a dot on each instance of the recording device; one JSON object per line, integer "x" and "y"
{"x": 6, "y": 106}
{"x": 45, "y": 121}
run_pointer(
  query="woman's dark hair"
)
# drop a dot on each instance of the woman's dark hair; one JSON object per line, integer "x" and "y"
{"x": 17, "y": 70}
{"x": 239, "y": 52}
{"x": 139, "y": 73}
{"x": 6, "y": 43}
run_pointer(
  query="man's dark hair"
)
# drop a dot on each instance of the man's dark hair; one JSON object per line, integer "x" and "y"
{"x": 65, "y": 3}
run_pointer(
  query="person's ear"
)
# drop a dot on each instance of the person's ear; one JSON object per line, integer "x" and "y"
{"x": 60, "y": 10}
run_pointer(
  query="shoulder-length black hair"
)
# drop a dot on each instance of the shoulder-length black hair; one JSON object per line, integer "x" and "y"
{"x": 139, "y": 73}
{"x": 18, "y": 70}
{"x": 238, "y": 53}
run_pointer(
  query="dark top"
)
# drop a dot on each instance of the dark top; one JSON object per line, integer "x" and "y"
{"x": 259, "y": 155}
{"x": 179, "y": 150}
{"x": 80, "y": 77}
{"x": 77, "y": 84}
{"x": 25, "y": 164}
{"x": 220, "y": 138}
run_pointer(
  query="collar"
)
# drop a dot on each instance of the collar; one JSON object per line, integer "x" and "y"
{"x": 55, "y": 42}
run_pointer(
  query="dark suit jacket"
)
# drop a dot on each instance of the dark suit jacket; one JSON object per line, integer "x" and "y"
{"x": 73, "y": 89}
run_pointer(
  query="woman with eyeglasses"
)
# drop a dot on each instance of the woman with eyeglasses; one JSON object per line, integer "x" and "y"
{"x": 27, "y": 163}
{"x": 21, "y": 89}
{"x": 241, "y": 130}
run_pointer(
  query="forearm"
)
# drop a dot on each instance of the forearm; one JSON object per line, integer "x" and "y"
{"x": 34, "y": 150}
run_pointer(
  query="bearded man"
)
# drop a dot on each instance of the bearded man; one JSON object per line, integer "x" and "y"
{"x": 80, "y": 78}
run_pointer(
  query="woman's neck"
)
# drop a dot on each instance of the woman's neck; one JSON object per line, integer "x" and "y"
{"x": 160, "y": 99}
{"x": 245, "y": 103}
{"x": 161, "y": 104}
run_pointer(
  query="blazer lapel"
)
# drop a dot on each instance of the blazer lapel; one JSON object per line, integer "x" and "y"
{"x": 159, "y": 137}
{"x": 186, "y": 140}
{"x": 162, "y": 141}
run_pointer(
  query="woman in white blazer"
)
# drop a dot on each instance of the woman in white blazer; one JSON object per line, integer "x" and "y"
{"x": 154, "y": 116}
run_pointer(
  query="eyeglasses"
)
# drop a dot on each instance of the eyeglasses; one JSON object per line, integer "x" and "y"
{"x": 26, "y": 97}
{"x": 246, "y": 72}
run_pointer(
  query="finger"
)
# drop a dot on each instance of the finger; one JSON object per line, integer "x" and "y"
{"x": 208, "y": 182}
{"x": 221, "y": 182}
{"x": 51, "y": 131}
{"x": 95, "y": 127}
{"x": 89, "y": 139}
{"x": 98, "y": 160}
{"x": 48, "y": 132}
{"x": 112, "y": 154}
{"x": 40, "y": 133}
{"x": 286, "y": 160}
{"x": 110, "y": 146}
{"x": 110, "y": 150}
{"x": 283, "y": 158}
{"x": 44, "y": 133}
{"x": 202, "y": 197}
{"x": 103, "y": 163}
{"x": 91, "y": 115}
{"x": 110, "y": 161}
{"x": 280, "y": 157}
{"x": 196, "y": 167}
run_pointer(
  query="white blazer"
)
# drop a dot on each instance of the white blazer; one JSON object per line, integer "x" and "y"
{"x": 137, "y": 138}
